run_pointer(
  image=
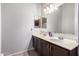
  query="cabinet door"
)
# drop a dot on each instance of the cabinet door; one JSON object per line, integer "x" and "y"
{"x": 74, "y": 52}
{"x": 38, "y": 46}
{"x": 58, "y": 51}
{"x": 34, "y": 42}
{"x": 45, "y": 48}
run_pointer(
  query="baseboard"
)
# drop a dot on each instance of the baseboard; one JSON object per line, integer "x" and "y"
{"x": 14, "y": 54}
{"x": 31, "y": 49}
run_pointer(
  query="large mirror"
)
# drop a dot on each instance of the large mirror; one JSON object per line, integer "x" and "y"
{"x": 61, "y": 20}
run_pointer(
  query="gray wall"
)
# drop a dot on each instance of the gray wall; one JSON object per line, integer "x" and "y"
{"x": 17, "y": 21}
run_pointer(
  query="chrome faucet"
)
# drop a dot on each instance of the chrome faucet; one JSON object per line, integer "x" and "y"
{"x": 61, "y": 38}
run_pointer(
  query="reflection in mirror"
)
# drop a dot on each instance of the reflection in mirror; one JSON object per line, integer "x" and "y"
{"x": 44, "y": 22}
{"x": 40, "y": 22}
{"x": 62, "y": 19}
{"x": 37, "y": 22}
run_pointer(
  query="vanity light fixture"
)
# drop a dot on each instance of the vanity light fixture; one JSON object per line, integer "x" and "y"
{"x": 51, "y": 8}
{"x": 44, "y": 10}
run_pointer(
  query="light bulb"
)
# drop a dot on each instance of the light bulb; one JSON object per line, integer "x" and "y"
{"x": 47, "y": 8}
{"x": 51, "y": 5}
{"x": 44, "y": 10}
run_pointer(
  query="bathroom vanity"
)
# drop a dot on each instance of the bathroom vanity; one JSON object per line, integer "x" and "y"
{"x": 53, "y": 47}
{"x": 59, "y": 21}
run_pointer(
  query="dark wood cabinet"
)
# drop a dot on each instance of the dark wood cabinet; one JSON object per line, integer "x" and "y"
{"x": 41, "y": 46}
{"x": 58, "y": 51}
{"x": 45, "y": 48}
{"x": 33, "y": 41}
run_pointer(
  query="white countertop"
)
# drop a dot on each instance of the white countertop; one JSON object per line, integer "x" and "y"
{"x": 65, "y": 43}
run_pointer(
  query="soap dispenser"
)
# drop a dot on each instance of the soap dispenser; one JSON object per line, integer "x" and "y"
{"x": 50, "y": 34}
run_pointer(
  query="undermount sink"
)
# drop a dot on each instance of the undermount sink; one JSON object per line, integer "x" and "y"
{"x": 65, "y": 41}
{"x": 57, "y": 39}
{"x": 54, "y": 38}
